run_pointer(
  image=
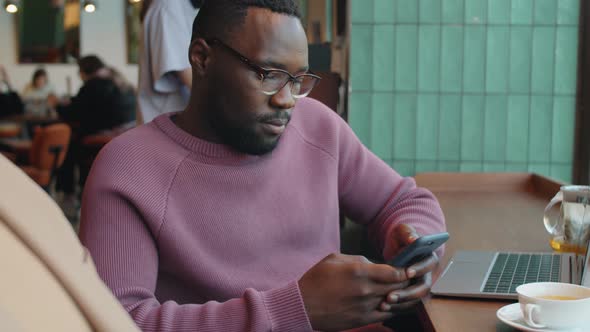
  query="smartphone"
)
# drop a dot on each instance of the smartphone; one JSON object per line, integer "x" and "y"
{"x": 419, "y": 249}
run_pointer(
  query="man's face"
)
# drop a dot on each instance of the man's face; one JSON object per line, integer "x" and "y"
{"x": 40, "y": 82}
{"x": 83, "y": 76}
{"x": 237, "y": 110}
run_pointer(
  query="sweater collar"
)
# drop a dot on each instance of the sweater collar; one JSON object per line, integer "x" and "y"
{"x": 200, "y": 146}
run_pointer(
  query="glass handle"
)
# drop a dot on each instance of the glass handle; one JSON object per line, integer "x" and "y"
{"x": 549, "y": 224}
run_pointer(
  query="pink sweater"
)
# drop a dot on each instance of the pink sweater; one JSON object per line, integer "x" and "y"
{"x": 193, "y": 236}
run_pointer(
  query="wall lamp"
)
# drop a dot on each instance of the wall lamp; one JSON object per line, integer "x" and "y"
{"x": 89, "y": 6}
{"x": 11, "y": 6}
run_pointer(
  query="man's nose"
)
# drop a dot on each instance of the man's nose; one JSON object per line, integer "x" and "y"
{"x": 283, "y": 99}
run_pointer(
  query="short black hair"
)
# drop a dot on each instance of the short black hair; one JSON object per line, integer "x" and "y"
{"x": 90, "y": 64}
{"x": 218, "y": 18}
{"x": 39, "y": 73}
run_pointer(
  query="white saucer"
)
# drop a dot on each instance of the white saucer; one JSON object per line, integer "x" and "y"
{"x": 512, "y": 315}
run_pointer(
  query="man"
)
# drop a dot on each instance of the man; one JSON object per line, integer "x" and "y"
{"x": 224, "y": 217}
{"x": 10, "y": 101}
{"x": 100, "y": 105}
{"x": 164, "y": 70}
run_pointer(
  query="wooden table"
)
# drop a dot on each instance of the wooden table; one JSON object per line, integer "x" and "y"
{"x": 22, "y": 118}
{"x": 26, "y": 123}
{"x": 486, "y": 211}
{"x": 9, "y": 129}
{"x": 17, "y": 145}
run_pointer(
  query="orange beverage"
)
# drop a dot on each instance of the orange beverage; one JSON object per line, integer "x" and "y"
{"x": 558, "y": 245}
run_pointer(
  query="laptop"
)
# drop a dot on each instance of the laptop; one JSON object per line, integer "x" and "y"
{"x": 496, "y": 275}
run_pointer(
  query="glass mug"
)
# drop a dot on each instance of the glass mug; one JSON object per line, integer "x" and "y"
{"x": 570, "y": 228}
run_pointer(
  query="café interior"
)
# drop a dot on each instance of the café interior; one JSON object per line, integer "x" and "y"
{"x": 482, "y": 102}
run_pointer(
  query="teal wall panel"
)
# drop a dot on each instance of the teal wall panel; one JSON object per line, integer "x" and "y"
{"x": 453, "y": 11}
{"x": 522, "y": 12}
{"x": 466, "y": 85}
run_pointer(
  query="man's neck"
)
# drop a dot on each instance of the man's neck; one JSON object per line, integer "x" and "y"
{"x": 192, "y": 121}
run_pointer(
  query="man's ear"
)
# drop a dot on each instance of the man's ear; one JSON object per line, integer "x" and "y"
{"x": 199, "y": 55}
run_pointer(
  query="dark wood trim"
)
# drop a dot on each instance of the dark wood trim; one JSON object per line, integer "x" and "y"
{"x": 581, "y": 172}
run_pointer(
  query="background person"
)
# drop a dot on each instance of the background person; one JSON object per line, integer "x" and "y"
{"x": 37, "y": 93}
{"x": 164, "y": 70}
{"x": 10, "y": 101}
{"x": 103, "y": 103}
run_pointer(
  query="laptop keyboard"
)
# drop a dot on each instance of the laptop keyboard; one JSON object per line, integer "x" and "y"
{"x": 511, "y": 270}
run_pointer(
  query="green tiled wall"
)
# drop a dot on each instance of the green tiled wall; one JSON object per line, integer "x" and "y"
{"x": 466, "y": 85}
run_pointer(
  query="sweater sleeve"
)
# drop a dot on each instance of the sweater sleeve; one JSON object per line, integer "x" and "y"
{"x": 125, "y": 252}
{"x": 374, "y": 194}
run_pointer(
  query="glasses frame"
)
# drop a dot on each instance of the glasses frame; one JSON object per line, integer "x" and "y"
{"x": 264, "y": 72}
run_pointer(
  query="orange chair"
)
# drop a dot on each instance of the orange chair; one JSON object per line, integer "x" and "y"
{"x": 47, "y": 154}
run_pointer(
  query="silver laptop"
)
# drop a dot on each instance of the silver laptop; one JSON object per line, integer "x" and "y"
{"x": 497, "y": 274}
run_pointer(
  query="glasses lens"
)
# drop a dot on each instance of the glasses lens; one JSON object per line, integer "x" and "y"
{"x": 302, "y": 85}
{"x": 276, "y": 80}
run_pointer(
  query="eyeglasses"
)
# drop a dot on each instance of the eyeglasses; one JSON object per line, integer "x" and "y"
{"x": 273, "y": 80}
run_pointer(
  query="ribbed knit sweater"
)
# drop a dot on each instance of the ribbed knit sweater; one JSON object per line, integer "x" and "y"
{"x": 194, "y": 236}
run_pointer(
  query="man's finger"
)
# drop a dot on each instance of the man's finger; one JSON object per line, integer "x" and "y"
{"x": 429, "y": 264}
{"x": 382, "y": 290}
{"x": 405, "y": 234}
{"x": 386, "y": 274}
{"x": 376, "y": 316}
{"x": 413, "y": 292}
{"x": 396, "y": 308}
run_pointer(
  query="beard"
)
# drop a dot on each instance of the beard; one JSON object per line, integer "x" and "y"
{"x": 241, "y": 134}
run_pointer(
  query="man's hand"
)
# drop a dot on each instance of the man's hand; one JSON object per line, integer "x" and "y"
{"x": 342, "y": 292}
{"x": 420, "y": 273}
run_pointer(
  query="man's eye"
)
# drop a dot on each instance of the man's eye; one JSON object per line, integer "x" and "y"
{"x": 273, "y": 76}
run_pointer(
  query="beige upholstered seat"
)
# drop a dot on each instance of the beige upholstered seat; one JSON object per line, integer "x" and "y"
{"x": 48, "y": 281}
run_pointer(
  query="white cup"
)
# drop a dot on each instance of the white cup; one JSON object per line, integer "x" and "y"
{"x": 554, "y": 305}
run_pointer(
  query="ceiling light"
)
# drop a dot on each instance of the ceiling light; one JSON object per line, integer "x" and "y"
{"x": 11, "y": 6}
{"x": 89, "y": 6}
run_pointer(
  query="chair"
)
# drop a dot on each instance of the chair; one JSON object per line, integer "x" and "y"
{"x": 328, "y": 90}
{"x": 47, "y": 154}
{"x": 91, "y": 145}
{"x": 49, "y": 282}
{"x": 89, "y": 149}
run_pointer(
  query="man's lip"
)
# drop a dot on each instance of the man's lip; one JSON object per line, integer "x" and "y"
{"x": 276, "y": 122}
{"x": 274, "y": 127}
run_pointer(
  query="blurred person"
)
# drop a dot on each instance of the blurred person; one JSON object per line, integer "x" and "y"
{"x": 103, "y": 103}
{"x": 224, "y": 216}
{"x": 10, "y": 101}
{"x": 164, "y": 70}
{"x": 128, "y": 101}
{"x": 38, "y": 94}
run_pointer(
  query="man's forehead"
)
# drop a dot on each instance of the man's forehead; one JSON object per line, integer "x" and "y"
{"x": 270, "y": 37}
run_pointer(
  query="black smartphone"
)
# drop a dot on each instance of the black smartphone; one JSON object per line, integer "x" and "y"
{"x": 419, "y": 249}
